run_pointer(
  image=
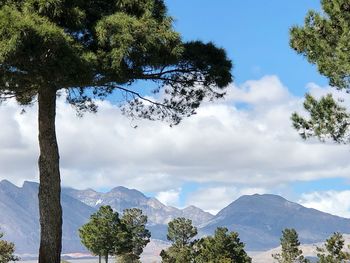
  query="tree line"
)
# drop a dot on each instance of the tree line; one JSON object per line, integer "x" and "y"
{"x": 124, "y": 237}
{"x": 107, "y": 234}
{"x": 332, "y": 251}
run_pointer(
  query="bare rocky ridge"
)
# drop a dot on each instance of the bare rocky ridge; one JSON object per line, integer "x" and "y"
{"x": 120, "y": 198}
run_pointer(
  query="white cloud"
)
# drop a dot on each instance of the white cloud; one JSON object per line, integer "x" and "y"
{"x": 333, "y": 202}
{"x": 252, "y": 145}
{"x": 170, "y": 197}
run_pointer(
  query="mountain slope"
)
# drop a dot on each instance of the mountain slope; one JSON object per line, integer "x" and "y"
{"x": 19, "y": 217}
{"x": 259, "y": 219}
{"x": 19, "y": 213}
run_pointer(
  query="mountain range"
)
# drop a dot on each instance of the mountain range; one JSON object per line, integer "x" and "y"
{"x": 259, "y": 219}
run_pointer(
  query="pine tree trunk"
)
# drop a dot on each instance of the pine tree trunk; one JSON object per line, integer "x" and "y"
{"x": 106, "y": 258}
{"x": 99, "y": 258}
{"x": 50, "y": 182}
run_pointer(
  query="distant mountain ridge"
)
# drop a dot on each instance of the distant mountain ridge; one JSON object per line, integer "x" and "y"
{"x": 19, "y": 213}
{"x": 259, "y": 219}
{"x": 120, "y": 198}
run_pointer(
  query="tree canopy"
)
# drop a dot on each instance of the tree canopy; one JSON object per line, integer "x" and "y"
{"x": 92, "y": 48}
{"x": 324, "y": 40}
{"x": 181, "y": 231}
{"x": 291, "y": 253}
{"x": 7, "y": 250}
{"x": 333, "y": 250}
{"x": 223, "y": 247}
{"x": 135, "y": 224}
{"x": 104, "y": 234}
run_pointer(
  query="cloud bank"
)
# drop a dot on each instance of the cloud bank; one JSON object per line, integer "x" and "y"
{"x": 243, "y": 142}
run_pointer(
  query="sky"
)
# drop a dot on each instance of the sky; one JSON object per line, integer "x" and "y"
{"x": 243, "y": 144}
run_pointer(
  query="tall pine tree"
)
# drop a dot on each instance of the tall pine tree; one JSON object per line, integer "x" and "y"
{"x": 89, "y": 49}
{"x": 105, "y": 235}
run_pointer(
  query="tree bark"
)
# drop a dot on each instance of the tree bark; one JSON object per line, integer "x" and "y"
{"x": 106, "y": 258}
{"x": 99, "y": 258}
{"x": 50, "y": 182}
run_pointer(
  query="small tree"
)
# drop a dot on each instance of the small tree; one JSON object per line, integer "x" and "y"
{"x": 135, "y": 224}
{"x": 6, "y": 251}
{"x": 104, "y": 234}
{"x": 223, "y": 247}
{"x": 180, "y": 233}
{"x": 290, "y": 248}
{"x": 332, "y": 252}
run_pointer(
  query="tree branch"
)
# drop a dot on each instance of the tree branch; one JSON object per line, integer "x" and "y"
{"x": 142, "y": 97}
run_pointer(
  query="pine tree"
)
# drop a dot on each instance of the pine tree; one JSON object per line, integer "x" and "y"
{"x": 180, "y": 233}
{"x": 333, "y": 252}
{"x": 104, "y": 234}
{"x": 87, "y": 50}
{"x": 223, "y": 247}
{"x": 290, "y": 248}
{"x": 135, "y": 224}
{"x": 325, "y": 41}
{"x": 7, "y": 250}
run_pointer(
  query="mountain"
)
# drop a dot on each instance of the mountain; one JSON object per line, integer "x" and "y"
{"x": 19, "y": 213}
{"x": 120, "y": 198}
{"x": 19, "y": 217}
{"x": 259, "y": 220}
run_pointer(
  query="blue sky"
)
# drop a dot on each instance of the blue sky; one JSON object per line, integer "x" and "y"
{"x": 254, "y": 33}
{"x": 224, "y": 151}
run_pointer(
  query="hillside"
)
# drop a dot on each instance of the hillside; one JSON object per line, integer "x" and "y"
{"x": 259, "y": 219}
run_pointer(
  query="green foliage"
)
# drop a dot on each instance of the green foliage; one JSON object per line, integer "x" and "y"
{"x": 135, "y": 224}
{"x": 181, "y": 231}
{"x": 290, "y": 248}
{"x": 332, "y": 252}
{"x": 176, "y": 254}
{"x": 325, "y": 41}
{"x": 6, "y": 251}
{"x": 327, "y": 120}
{"x": 91, "y": 48}
{"x": 223, "y": 247}
{"x": 104, "y": 234}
